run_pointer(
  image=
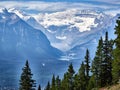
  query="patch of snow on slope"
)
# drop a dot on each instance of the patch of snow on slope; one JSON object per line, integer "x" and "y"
{"x": 85, "y": 25}
{"x": 2, "y": 10}
{"x": 19, "y": 13}
{"x": 61, "y": 37}
{"x": 67, "y": 17}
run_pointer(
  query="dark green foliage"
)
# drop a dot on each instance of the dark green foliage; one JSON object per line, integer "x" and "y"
{"x": 68, "y": 80}
{"x": 82, "y": 77}
{"x": 65, "y": 82}
{"x": 106, "y": 66}
{"x": 76, "y": 82}
{"x": 116, "y": 62}
{"x": 53, "y": 83}
{"x": 71, "y": 70}
{"x": 26, "y": 81}
{"x": 48, "y": 86}
{"x": 87, "y": 66}
{"x": 39, "y": 87}
{"x": 71, "y": 73}
{"x": 58, "y": 83}
{"x": 92, "y": 83}
{"x": 102, "y": 63}
{"x": 97, "y": 62}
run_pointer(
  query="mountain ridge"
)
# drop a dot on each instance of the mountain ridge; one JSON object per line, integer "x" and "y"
{"x": 23, "y": 36}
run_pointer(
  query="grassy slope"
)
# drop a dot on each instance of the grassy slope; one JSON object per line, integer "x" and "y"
{"x": 114, "y": 87}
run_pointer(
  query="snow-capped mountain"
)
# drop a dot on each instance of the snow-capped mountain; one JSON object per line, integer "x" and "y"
{"x": 73, "y": 30}
{"x": 18, "y": 39}
{"x": 27, "y": 18}
{"x": 70, "y": 28}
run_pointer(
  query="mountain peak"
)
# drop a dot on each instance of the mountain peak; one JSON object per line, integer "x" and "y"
{"x": 3, "y": 10}
{"x": 20, "y": 13}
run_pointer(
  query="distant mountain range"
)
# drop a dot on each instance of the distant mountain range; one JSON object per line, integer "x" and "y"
{"x": 72, "y": 31}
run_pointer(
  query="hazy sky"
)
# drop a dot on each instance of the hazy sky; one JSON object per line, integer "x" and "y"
{"x": 40, "y": 6}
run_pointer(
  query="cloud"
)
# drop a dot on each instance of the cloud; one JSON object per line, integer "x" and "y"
{"x": 108, "y": 1}
{"x": 113, "y": 12}
{"x": 58, "y": 6}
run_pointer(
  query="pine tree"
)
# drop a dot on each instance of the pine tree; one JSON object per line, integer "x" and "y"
{"x": 58, "y": 83}
{"x": 106, "y": 66}
{"x": 76, "y": 82}
{"x": 91, "y": 85}
{"x": 102, "y": 63}
{"x": 53, "y": 83}
{"x": 82, "y": 77}
{"x": 87, "y": 66}
{"x": 68, "y": 80}
{"x": 48, "y": 86}
{"x": 65, "y": 82}
{"x": 116, "y": 62}
{"x": 71, "y": 73}
{"x": 96, "y": 64}
{"x": 39, "y": 87}
{"x": 26, "y": 81}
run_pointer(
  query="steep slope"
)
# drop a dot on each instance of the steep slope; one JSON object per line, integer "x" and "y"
{"x": 113, "y": 87}
{"x": 18, "y": 39}
{"x": 70, "y": 28}
{"x": 27, "y": 18}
